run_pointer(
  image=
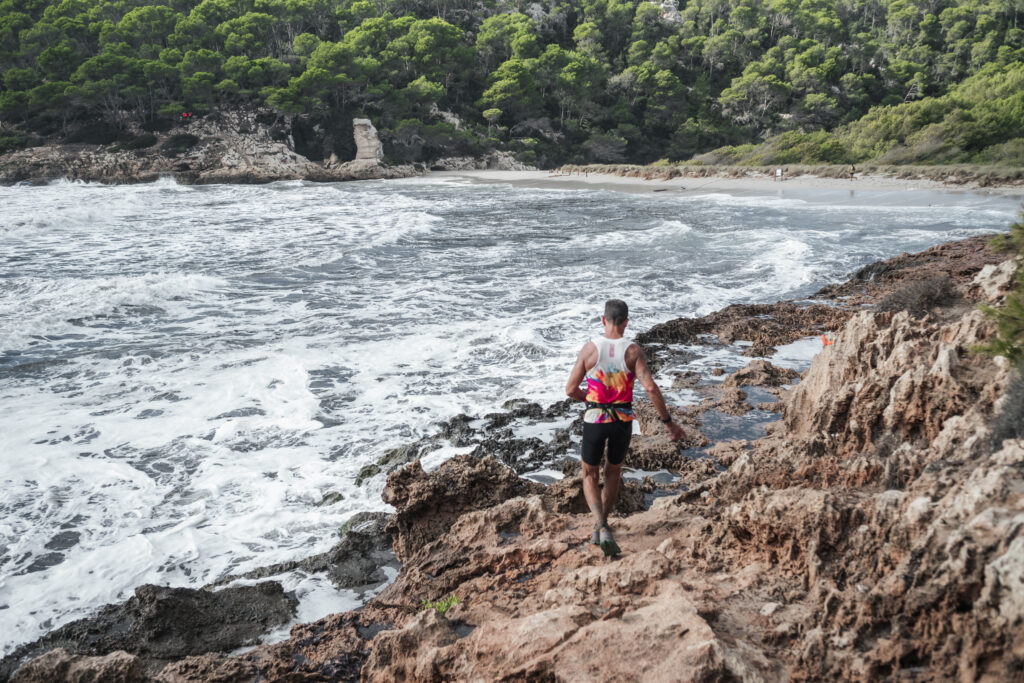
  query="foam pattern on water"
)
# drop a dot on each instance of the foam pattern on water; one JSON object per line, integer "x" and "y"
{"x": 185, "y": 372}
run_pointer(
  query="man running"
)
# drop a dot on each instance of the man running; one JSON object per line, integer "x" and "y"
{"x": 610, "y": 364}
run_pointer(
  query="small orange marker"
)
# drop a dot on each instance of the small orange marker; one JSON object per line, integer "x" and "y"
{"x": 825, "y": 341}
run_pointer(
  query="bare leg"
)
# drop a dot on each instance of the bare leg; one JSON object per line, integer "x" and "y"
{"x": 612, "y": 477}
{"x": 592, "y": 492}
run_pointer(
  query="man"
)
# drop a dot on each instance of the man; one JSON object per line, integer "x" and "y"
{"x": 610, "y": 364}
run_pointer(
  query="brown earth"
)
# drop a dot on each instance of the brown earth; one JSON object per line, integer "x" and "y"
{"x": 875, "y": 533}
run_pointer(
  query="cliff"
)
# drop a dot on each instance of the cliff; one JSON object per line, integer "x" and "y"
{"x": 874, "y": 532}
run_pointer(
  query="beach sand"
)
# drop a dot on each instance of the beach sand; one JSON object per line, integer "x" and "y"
{"x": 753, "y": 185}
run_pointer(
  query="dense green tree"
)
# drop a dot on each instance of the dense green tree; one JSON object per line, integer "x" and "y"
{"x": 898, "y": 80}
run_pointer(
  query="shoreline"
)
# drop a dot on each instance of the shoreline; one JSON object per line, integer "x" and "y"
{"x": 751, "y": 185}
{"x": 430, "y": 540}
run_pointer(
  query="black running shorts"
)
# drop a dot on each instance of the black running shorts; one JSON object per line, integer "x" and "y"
{"x": 615, "y": 434}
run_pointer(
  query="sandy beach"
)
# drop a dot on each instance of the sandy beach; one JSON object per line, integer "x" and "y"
{"x": 754, "y": 185}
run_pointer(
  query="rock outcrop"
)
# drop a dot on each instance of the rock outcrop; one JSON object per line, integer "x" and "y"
{"x": 155, "y": 626}
{"x": 368, "y": 145}
{"x": 228, "y": 147}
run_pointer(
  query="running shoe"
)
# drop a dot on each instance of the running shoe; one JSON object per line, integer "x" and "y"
{"x": 608, "y": 545}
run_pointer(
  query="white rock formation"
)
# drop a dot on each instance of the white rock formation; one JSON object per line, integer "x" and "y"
{"x": 368, "y": 145}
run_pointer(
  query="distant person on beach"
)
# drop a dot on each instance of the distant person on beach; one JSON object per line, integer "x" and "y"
{"x": 778, "y": 175}
{"x": 853, "y": 170}
{"x": 610, "y": 364}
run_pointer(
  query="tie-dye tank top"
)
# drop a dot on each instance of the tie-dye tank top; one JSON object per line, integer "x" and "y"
{"x": 610, "y": 381}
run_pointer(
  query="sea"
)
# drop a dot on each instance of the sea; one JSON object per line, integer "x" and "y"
{"x": 190, "y": 375}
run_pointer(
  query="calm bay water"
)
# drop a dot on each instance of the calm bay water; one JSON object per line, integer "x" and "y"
{"x": 186, "y": 371}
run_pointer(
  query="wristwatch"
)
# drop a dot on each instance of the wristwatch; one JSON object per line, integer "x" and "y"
{"x": 666, "y": 420}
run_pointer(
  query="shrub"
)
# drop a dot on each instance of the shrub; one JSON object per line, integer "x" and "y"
{"x": 143, "y": 141}
{"x": 440, "y": 606}
{"x": 9, "y": 143}
{"x": 179, "y": 144}
{"x": 157, "y": 125}
{"x": 1009, "y": 318}
{"x": 98, "y": 133}
{"x": 919, "y": 296}
{"x": 1009, "y": 423}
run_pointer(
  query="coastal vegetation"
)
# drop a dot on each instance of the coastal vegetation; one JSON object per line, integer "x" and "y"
{"x": 441, "y": 605}
{"x": 1009, "y": 318}
{"x": 740, "y": 82}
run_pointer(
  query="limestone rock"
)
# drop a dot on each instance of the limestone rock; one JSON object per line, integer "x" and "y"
{"x": 427, "y": 505}
{"x": 59, "y": 665}
{"x": 760, "y": 373}
{"x": 368, "y": 145}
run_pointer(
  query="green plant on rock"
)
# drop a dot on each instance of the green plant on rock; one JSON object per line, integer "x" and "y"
{"x": 440, "y": 606}
{"x": 1009, "y": 318}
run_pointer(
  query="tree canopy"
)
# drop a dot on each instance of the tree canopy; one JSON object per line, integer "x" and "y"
{"x": 554, "y": 81}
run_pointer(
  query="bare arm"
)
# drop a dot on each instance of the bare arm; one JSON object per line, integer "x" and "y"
{"x": 576, "y": 375}
{"x": 643, "y": 373}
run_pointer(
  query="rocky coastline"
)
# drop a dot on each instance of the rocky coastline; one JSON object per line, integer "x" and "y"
{"x": 872, "y": 530}
{"x": 245, "y": 147}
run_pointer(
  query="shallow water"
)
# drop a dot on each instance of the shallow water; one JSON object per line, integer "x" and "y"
{"x": 185, "y": 371}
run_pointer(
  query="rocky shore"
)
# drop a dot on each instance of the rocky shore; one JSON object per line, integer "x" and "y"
{"x": 228, "y": 147}
{"x": 872, "y": 531}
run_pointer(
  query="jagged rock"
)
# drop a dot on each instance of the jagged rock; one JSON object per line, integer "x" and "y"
{"x": 60, "y": 665}
{"x": 889, "y": 373}
{"x": 993, "y": 281}
{"x": 760, "y": 373}
{"x": 763, "y": 324}
{"x": 427, "y": 505}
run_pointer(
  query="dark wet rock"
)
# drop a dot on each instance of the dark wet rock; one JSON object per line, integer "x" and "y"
{"x": 458, "y": 431}
{"x": 563, "y": 408}
{"x": 759, "y": 351}
{"x": 356, "y": 561}
{"x": 686, "y": 380}
{"x": 522, "y": 455}
{"x": 497, "y": 420}
{"x": 330, "y": 649}
{"x": 330, "y": 498}
{"x": 717, "y": 372}
{"x": 397, "y": 457}
{"x": 763, "y": 324}
{"x": 366, "y": 547}
{"x": 159, "y": 624}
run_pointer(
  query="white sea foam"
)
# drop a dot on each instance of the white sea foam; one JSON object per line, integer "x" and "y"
{"x": 186, "y": 371}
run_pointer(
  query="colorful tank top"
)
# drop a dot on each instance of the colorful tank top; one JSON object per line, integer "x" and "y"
{"x": 610, "y": 381}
